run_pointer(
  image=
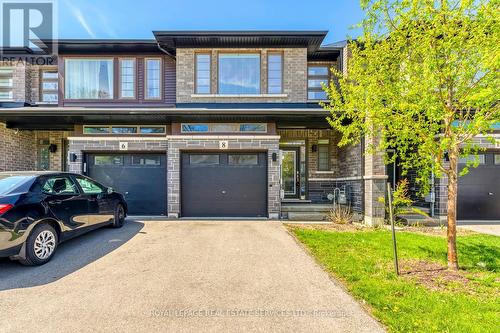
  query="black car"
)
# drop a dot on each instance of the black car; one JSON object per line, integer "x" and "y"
{"x": 39, "y": 210}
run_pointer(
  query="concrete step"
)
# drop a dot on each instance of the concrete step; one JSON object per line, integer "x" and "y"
{"x": 310, "y": 208}
{"x": 307, "y": 216}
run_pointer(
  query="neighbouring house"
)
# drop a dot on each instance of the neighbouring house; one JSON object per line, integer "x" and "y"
{"x": 207, "y": 124}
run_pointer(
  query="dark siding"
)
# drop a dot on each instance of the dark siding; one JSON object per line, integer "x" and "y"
{"x": 140, "y": 79}
{"x": 169, "y": 80}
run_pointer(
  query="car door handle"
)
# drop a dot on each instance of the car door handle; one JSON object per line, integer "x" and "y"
{"x": 55, "y": 202}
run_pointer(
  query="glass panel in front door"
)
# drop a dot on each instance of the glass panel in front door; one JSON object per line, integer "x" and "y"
{"x": 288, "y": 171}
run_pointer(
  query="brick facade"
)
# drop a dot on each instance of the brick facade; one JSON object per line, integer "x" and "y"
{"x": 17, "y": 149}
{"x": 294, "y": 77}
{"x": 345, "y": 166}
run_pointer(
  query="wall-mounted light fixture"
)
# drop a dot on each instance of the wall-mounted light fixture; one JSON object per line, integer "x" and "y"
{"x": 52, "y": 148}
{"x": 274, "y": 157}
{"x": 72, "y": 157}
{"x": 314, "y": 148}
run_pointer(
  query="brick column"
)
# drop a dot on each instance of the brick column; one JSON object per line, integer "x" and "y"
{"x": 375, "y": 183}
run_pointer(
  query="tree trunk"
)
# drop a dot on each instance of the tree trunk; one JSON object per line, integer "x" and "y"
{"x": 452, "y": 210}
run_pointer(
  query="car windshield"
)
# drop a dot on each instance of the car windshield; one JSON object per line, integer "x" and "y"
{"x": 10, "y": 183}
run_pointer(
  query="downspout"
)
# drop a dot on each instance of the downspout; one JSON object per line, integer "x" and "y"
{"x": 165, "y": 51}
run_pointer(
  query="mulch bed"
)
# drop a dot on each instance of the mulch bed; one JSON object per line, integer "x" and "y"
{"x": 326, "y": 226}
{"x": 434, "y": 276}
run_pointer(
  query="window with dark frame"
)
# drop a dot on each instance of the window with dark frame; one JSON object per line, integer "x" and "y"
{"x": 117, "y": 129}
{"x": 127, "y": 78}
{"x": 203, "y": 61}
{"x": 6, "y": 84}
{"x": 317, "y": 75}
{"x": 49, "y": 86}
{"x": 323, "y": 157}
{"x": 239, "y": 74}
{"x": 275, "y": 73}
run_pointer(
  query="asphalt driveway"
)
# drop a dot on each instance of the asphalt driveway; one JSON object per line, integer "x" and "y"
{"x": 179, "y": 276}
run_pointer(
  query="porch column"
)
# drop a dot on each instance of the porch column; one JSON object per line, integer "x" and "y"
{"x": 375, "y": 183}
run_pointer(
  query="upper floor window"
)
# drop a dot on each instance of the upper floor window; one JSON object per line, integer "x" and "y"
{"x": 6, "y": 84}
{"x": 88, "y": 79}
{"x": 203, "y": 73}
{"x": 316, "y": 76}
{"x": 49, "y": 86}
{"x": 153, "y": 79}
{"x": 239, "y": 73}
{"x": 275, "y": 73}
{"x": 127, "y": 78}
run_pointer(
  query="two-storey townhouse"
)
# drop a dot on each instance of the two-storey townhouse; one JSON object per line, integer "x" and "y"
{"x": 195, "y": 124}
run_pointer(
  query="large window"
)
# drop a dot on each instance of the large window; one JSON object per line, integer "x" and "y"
{"x": 127, "y": 78}
{"x": 153, "y": 78}
{"x": 274, "y": 73}
{"x": 49, "y": 86}
{"x": 316, "y": 77}
{"x": 88, "y": 79}
{"x": 6, "y": 84}
{"x": 239, "y": 73}
{"x": 203, "y": 73}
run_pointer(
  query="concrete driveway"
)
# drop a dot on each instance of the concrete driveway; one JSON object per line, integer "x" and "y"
{"x": 484, "y": 227}
{"x": 180, "y": 277}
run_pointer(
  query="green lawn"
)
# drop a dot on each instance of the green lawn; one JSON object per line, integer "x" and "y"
{"x": 363, "y": 262}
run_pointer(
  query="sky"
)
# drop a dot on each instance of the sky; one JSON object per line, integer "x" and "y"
{"x": 128, "y": 19}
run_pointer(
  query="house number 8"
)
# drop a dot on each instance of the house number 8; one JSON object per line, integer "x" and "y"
{"x": 223, "y": 145}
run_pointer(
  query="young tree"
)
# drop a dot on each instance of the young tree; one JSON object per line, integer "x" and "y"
{"x": 423, "y": 78}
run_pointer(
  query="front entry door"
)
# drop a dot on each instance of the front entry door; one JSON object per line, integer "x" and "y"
{"x": 290, "y": 175}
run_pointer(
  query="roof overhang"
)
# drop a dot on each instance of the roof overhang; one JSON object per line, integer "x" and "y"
{"x": 64, "y": 118}
{"x": 171, "y": 40}
{"x": 103, "y": 46}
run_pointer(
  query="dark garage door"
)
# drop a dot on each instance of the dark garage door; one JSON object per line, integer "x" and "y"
{"x": 479, "y": 190}
{"x": 224, "y": 185}
{"x": 141, "y": 178}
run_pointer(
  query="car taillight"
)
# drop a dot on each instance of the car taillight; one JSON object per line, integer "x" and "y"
{"x": 4, "y": 208}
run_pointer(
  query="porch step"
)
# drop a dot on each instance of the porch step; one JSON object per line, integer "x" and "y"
{"x": 306, "y": 208}
{"x": 307, "y": 216}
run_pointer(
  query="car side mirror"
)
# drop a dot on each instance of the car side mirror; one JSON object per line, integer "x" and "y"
{"x": 110, "y": 190}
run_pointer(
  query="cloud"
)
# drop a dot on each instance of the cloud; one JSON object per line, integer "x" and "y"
{"x": 80, "y": 18}
{"x": 105, "y": 23}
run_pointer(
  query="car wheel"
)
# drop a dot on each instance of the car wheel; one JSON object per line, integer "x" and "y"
{"x": 40, "y": 245}
{"x": 119, "y": 219}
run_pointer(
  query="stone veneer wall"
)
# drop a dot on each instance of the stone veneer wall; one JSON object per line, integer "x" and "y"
{"x": 176, "y": 144}
{"x": 294, "y": 76}
{"x": 375, "y": 183}
{"x": 80, "y": 145}
{"x": 17, "y": 149}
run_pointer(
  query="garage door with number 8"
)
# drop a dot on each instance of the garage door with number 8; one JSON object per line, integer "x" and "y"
{"x": 224, "y": 185}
